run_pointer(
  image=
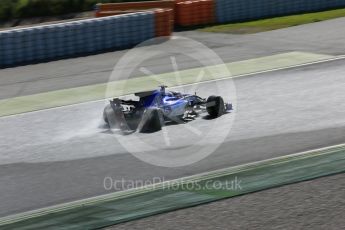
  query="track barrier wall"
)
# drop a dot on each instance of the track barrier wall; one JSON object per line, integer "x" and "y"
{"x": 136, "y": 5}
{"x": 191, "y": 13}
{"x": 164, "y": 22}
{"x": 119, "y": 8}
{"x": 64, "y": 40}
{"x": 136, "y": 22}
{"x": 201, "y": 12}
{"x": 241, "y": 10}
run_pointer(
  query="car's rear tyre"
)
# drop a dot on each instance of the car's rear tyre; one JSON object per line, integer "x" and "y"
{"x": 215, "y": 106}
{"x": 109, "y": 115}
{"x": 116, "y": 120}
{"x": 152, "y": 121}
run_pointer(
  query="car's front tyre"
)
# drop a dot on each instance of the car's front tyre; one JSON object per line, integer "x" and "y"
{"x": 215, "y": 106}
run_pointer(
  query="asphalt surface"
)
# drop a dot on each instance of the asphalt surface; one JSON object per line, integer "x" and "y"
{"x": 64, "y": 154}
{"x": 325, "y": 37}
{"x": 316, "y": 204}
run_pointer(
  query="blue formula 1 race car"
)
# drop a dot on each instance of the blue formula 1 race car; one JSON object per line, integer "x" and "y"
{"x": 156, "y": 108}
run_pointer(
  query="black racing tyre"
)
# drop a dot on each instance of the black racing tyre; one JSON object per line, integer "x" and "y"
{"x": 215, "y": 106}
{"x": 108, "y": 113}
{"x": 152, "y": 121}
{"x": 109, "y": 117}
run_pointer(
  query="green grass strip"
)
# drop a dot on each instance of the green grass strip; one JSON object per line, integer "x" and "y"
{"x": 71, "y": 96}
{"x": 274, "y": 23}
{"x": 168, "y": 196}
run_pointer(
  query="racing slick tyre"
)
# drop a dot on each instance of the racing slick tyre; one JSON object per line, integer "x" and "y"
{"x": 152, "y": 121}
{"x": 215, "y": 106}
{"x": 115, "y": 118}
{"x": 109, "y": 116}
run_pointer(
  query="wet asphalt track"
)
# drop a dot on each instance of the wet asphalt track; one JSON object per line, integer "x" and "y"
{"x": 64, "y": 154}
